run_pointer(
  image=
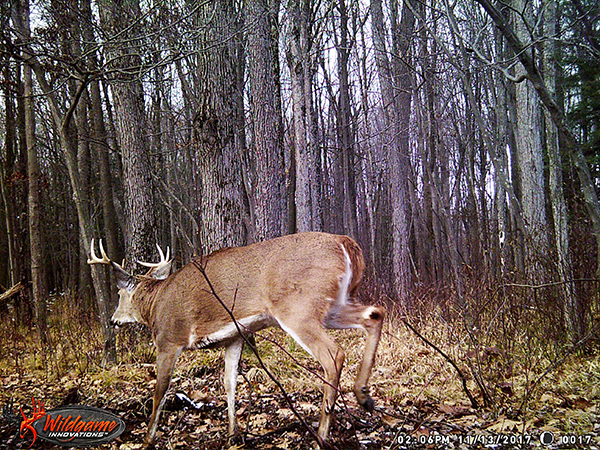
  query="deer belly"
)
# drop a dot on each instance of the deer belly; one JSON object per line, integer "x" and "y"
{"x": 231, "y": 331}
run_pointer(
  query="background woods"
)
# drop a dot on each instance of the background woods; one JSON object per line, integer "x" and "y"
{"x": 457, "y": 142}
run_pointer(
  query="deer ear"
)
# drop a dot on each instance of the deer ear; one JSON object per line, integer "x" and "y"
{"x": 124, "y": 279}
{"x": 160, "y": 272}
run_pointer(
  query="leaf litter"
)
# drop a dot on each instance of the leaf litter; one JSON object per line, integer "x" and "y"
{"x": 417, "y": 397}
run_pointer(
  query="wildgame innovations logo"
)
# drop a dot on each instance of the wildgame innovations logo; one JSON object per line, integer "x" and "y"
{"x": 69, "y": 425}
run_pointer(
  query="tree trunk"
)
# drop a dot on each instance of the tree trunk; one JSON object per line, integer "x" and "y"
{"x": 7, "y": 173}
{"x": 99, "y": 143}
{"x": 500, "y": 162}
{"x": 25, "y": 308}
{"x": 531, "y": 161}
{"x": 36, "y": 239}
{"x": 572, "y": 313}
{"x": 217, "y": 131}
{"x": 395, "y": 80}
{"x": 132, "y": 128}
{"x": 345, "y": 133}
{"x": 300, "y": 58}
{"x": 268, "y": 181}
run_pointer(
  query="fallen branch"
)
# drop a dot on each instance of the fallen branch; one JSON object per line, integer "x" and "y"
{"x": 7, "y": 295}
{"x": 474, "y": 402}
{"x": 550, "y": 284}
{"x": 554, "y": 365}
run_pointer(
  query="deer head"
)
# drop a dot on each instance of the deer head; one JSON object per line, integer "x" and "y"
{"x": 127, "y": 311}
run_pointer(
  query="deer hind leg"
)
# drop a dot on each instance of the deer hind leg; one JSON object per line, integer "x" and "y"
{"x": 165, "y": 361}
{"x": 315, "y": 340}
{"x": 369, "y": 318}
{"x": 233, "y": 353}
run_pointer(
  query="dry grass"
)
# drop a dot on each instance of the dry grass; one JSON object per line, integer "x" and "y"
{"x": 410, "y": 381}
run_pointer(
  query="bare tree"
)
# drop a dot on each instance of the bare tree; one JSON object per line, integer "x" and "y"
{"x": 99, "y": 142}
{"x": 555, "y": 180}
{"x": 13, "y": 185}
{"x": 267, "y": 184}
{"x": 555, "y": 112}
{"x": 125, "y": 48}
{"x": 345, "y": 132}
{"x": 395, "y": 79}
{"x": 219, "y": 133}
{"x": 36, "y": 239}
{"x": 529, "y": 154}
{"x": 300, "y": 54}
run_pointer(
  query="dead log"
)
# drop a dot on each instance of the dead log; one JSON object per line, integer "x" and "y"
{"x": 7, "y": 295}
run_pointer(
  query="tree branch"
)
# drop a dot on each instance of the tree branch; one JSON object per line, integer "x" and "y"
{"x": 556, "y": 113}
{"x": 460, "y": 373}
{"x": 74, "y": 103}
{"x": 243, "y": 334}
{"x": 7, "y": 295}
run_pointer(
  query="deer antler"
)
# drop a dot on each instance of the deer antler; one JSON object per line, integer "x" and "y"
{"x": 94, "y": 259}
{"x": 105, "y": 259}
{"x": 163, "y": 260}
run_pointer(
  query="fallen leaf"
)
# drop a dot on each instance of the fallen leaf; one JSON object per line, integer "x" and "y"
{"x": 467, "y": 421}
{"x": 551, "y": 398}
{"x": 390, "y": 420}
{"x": 454, "y": 410}
{"x": 505, "y": 425}
{"x": 308, "y": 407}
{"x": 285, "y": 413}
{"x": 258, "y": 422}
{"x": 582, "y": 403}
{"x": 507, "y": 389}
{"x": 130, "y": 446}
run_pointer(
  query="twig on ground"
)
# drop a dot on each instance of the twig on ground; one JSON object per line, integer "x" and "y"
{"x": 559, "y": 361}
{"x": 463, "y": 379}
{"x": 243, "y": 333}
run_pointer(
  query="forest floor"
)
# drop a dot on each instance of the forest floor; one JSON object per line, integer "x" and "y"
{"x": 420, "y": 399}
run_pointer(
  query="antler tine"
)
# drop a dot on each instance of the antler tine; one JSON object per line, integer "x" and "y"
{"x": 94, "y": 258}
{"x": 163, "y": 260}
{"x": 160, "y": 252}
{"x": 102, "y": 252}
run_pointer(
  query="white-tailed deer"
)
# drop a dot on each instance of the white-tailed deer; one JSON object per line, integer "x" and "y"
{"x": 303, "y": 283}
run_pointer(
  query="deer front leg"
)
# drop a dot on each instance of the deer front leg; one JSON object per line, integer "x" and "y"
{"x": 165, "y": 361}
{"x": 233, "y": 352}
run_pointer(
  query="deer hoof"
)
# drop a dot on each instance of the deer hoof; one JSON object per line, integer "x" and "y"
{"x": 368, "y": 404}
{"x": 364, "y": 399}
{"x": 236, "y": 439}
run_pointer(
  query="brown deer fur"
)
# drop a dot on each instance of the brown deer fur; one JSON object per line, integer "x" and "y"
{"x": 303, "y": 283}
